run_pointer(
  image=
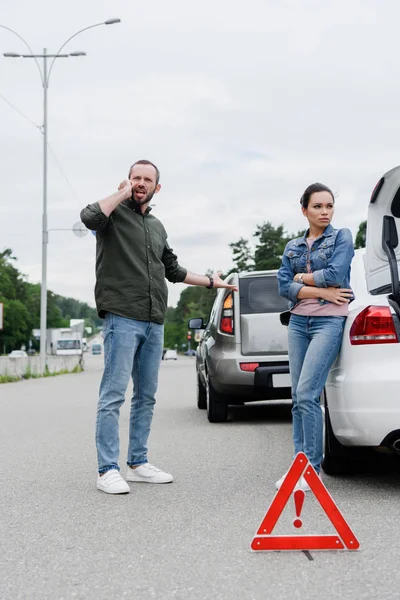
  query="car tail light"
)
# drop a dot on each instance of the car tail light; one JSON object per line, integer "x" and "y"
{"x": 374, "y": 325}
{"x": 226, "y": 324}
{"x": 251, "y": 367}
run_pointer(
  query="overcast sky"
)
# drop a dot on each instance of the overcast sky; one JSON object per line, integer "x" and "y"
{"x": 240, "y": 104}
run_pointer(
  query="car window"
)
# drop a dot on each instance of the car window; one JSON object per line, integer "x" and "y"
{"x": 260, "y": 295}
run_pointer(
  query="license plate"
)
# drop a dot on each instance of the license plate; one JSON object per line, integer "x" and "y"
{"x": 281, "y": 380}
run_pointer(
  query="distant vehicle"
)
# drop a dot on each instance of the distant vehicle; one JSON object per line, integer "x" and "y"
{"x": 18, "y": 354}
{"x": 68, "y": 346}
{"x": 243, "y": 354}
{"x": 64, "y": 341}
{"x": 96, "y": 348}
{"x": 171, "y": 355}
{"x": 190, "y": 353}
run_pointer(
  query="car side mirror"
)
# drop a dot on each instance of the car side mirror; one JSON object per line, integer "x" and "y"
{"x": 196, "y": 323}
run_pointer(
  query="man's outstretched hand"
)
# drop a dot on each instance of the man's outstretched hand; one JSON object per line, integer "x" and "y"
{"x": 219, "y": 283}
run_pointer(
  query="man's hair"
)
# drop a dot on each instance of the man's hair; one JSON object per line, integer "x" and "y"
{"x": 146, "y": 162}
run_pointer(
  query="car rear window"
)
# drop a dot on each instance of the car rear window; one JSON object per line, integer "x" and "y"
{"x": 260, "y": 295}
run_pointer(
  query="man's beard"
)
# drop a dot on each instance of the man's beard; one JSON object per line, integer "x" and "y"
{"x": 145, "y": 200}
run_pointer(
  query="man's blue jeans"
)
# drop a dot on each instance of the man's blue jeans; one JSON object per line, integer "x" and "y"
{"x": 314, "y": 343}
{"x": 131, "y": 349}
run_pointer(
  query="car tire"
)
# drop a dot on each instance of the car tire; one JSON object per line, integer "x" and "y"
{"x": 338, "y": 459}
{"x": 217, "y": 407}
{"x": 201, "y": 394}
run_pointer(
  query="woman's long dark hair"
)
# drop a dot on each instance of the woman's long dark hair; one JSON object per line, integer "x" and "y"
{"x": 314, "y": 187}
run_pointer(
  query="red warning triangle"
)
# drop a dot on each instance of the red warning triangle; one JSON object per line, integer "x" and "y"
{"x": 263, "y": 540}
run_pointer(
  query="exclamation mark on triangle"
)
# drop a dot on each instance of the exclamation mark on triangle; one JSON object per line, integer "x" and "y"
{"x": 299, "y": 497}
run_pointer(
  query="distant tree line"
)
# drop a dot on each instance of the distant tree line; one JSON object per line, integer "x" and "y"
{"x": 21, "y": 301}
{"x": 265, "y": 253}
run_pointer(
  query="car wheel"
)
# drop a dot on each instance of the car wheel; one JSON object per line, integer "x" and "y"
{"x": 338, "y": 459}
{"x": 217, "y": 407}
{"x": 201, "y": 394}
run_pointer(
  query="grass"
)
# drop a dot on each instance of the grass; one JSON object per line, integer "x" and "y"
{"x": 8, "y": 378}
{"x": 47, "y": 373}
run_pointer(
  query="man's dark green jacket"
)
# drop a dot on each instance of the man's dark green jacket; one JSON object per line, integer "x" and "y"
{"x": 133, "y": 259}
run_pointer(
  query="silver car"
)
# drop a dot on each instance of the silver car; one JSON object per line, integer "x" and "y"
{"x": 243, "y": 352}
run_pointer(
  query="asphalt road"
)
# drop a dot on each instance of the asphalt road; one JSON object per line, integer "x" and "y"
{"x": 60, "y": 538}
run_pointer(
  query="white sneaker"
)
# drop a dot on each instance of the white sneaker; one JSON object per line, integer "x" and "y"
{"x": 300, "y": 485}
{"x": 280, "y": 481}
{"x": 112, "y": 483}
{"x": 303, "y": 485}
{"x": 148, "y": 473}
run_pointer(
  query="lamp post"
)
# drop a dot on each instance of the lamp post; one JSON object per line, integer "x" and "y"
{"x": 45, "y": 76}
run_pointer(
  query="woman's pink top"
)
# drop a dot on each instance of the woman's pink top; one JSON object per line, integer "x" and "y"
{"x": 312, "y": 307}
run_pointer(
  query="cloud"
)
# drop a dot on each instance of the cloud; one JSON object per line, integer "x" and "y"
{"x": 241, "y": 107}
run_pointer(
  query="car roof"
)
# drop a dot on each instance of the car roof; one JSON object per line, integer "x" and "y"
{"x": 244, "y": 274}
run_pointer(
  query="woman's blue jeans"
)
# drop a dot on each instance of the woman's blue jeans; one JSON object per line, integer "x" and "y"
{"x": 314, "y": 343}
{"x": 131, "y": 349}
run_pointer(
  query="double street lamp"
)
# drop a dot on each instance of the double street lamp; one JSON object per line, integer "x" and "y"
{"x": 45, "y": 76}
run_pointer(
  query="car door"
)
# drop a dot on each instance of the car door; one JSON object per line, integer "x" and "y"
{"x": 202, "y": 350}
{"x": 384, "y": 206}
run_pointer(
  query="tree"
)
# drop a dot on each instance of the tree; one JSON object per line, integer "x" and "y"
{"x": 17, "y": 325}
{"x": 194, "y": 301}
{"x": 242, "y": 255}
{"x": 361, "y": 236}
{"x": 21, "y": 301}
{"x": 271, "y": 244}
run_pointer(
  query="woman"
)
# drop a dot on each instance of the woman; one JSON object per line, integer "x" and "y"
{"x": 315, "y": 278}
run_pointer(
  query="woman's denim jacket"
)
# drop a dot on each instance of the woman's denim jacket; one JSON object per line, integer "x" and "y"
{"x": 330, "y": 258}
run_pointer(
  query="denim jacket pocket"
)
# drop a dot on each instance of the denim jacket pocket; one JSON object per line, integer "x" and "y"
{"x": 326, "y": 248}
{"x": 294, "y": 255}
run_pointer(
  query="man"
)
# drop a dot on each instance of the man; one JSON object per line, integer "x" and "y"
{"x": 133, "y": 259}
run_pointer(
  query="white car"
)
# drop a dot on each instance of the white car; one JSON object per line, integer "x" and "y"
{"x": 171, "y": 355}
{"x": 362, "y": 394}
{"x": 18, "y": 354}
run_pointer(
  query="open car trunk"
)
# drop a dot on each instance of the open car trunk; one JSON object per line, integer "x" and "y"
{"x": 382, "y": 245}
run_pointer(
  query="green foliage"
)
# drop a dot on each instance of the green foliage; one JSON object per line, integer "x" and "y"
{"x": 193, "y": 302}
{"x": 271, "y": 244}
{"x": 267, "y": 254}
{"x": 361, "y": 236}
{"x": 242, "y": 255}
{"x": 29, "y": 374}
{"x": 21, "y": 301}
{"x": 8, "y": 378}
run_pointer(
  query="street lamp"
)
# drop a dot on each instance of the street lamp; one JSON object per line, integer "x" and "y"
{"x": 45, "y": 76}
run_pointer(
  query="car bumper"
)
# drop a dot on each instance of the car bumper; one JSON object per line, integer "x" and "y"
{"x": 363, "y": 397}
{"x": 271, "y": 380}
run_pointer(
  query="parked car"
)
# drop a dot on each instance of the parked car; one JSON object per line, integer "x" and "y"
{"x": 362, "y": 391}
{"x": 96, "y": 348}
{"x": 243, "y": 354}
{"x": 18, "y": 354}
{"x": 171, "y": 355}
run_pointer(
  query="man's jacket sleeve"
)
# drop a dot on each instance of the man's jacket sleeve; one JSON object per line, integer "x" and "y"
{"x": 93, "y": 217}
{"x": 173, "y": 271}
